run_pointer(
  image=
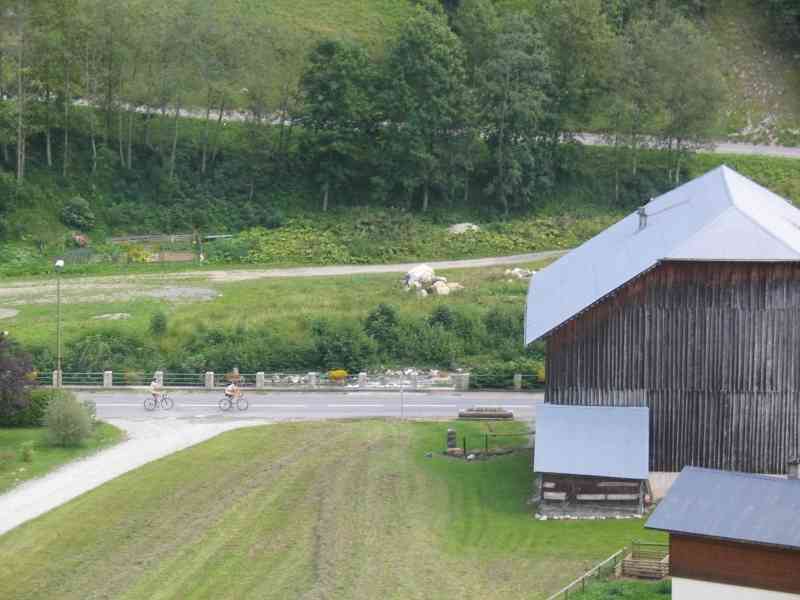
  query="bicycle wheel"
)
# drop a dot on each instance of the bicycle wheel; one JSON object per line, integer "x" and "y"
{"x": 242, "y": 403}
{"x": 224, "y": 403}
{"x": 166, "y": 402}
{"x": 149, "y": 403}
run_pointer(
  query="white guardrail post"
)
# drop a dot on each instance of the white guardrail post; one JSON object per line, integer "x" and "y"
{"x": 313, "y": 379}
{"x": 209, "y": 379}
{"x": 362, "y": 380}
{"x": 108, "y": 379}
{"x": 57, "y": 378}
{"x": 460, "y": 381}
{"x": 260, "y": 377}
{"x": 517, "y": 381}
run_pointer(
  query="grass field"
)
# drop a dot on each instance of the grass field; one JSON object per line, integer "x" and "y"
{"x": 350, "y": 510}
{"x": 14, "y": 470}
{"x": 286, "y": 307}
{"x": 626, "y": 590}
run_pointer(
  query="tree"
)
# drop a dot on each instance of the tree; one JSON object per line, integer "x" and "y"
{"x": 632, "y": 103}
{"x": 515, "y": 92}
{"x": 339, "y": 87}
{"x": 688, "y": 87}
{"x": 426, "y": 100}
{"x": 787, "y": 15}
{"x": 15, "y": 377}
{"x": 579, "y": 40}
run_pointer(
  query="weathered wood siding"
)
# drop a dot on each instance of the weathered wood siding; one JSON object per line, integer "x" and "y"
{"x": 712, "y": 348}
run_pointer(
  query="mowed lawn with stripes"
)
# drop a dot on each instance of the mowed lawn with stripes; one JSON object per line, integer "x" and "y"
{"x": 348, "y": 509}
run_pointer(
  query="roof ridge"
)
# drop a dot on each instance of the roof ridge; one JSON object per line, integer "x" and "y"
{"x": 746, "y": 213}
{"x": 742, "y": 474}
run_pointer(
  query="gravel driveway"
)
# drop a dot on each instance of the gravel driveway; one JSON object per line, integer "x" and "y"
{"x": 148, "y": 440}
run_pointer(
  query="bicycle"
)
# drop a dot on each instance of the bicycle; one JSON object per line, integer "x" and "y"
{"x": 164, "y": 401}
{"x": 226, "y": 403}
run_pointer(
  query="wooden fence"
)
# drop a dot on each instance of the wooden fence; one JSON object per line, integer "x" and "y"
{"x": 601, "y": 571}
{"x": 647, "y": 560}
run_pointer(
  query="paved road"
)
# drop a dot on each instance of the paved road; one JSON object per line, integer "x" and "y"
{"x": 592, "y": 139}
{"x": 275, "y": 406}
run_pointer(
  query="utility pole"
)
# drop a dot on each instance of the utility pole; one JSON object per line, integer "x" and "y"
{"x": 59, "y": 267}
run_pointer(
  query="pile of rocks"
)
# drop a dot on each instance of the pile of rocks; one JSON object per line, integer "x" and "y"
{"x": 517, "y": 273}
{"x": 425, "y": 282}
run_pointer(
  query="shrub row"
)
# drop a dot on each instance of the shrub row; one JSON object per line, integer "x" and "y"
{"x": 447, "y": 337}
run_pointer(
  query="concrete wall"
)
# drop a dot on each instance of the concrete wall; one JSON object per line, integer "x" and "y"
{"x": 690, "y": 589}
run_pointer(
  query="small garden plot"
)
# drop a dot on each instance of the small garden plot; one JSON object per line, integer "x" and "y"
{"x": 25, "y": 452}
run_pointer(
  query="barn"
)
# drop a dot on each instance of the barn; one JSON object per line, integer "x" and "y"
{"x": 732, "y": 535}
{"x": 591, "y": 460}
{"x": 689, "y": 306}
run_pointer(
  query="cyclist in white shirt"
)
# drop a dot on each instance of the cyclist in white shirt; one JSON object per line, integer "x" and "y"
{"x": 232, "y": 391}
{"x": 155, "y": 389}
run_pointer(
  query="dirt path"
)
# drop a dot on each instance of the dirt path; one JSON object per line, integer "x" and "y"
{"x": 121, "y": 288}
{"x": 148, "y": 440}
{"x": 221, "y": 276}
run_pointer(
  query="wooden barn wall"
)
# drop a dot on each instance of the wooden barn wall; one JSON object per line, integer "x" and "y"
{"x": 712, "y": 348}
{"x": 732, "y": 563}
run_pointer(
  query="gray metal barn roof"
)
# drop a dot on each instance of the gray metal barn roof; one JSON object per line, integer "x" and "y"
{"x": 592, "y": 440}
{"x": 719, "y": 216}
{"x": 732, "y": 506}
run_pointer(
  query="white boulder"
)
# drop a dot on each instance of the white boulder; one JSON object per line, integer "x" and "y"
{"x": 460, "y": 228}
{"x": 421, "y": 274}
{"x": 455, "y": 287}
{"x": 440, "y": 288}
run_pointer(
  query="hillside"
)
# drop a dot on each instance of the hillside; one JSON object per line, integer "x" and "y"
{"x": 366, "y": 168}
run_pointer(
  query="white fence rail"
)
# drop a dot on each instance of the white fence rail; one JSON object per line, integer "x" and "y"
{"x": 260, "y": 380}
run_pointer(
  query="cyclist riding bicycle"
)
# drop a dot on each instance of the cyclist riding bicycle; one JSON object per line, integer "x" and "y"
{"x": 155, "y": 389}
{"x": 232, "y": 391}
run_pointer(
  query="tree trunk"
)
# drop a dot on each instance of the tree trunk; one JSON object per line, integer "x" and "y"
{"x": 425, "y": 197}
{"x": 131, "y": 114}
{"x": 206, "y": 134}
{"x": 147, "y": 118}
{"x": 121, "y": 140}
{"x": 466, "y": 188}
{"x": 6, "y": 157}
{"x": 20, "y": 98}
{"x": 48, "y": 147}
{"x": 325, "y": 191}
{"x": 174, "y": 140}
{"x": 215, "y": 143}
{"x": 66, "y": 119}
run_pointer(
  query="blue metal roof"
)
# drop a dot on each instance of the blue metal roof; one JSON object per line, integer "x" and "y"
{"x": 718, "y": 216}
{"x": 592, "y": 440}
{"x": 732, "y": 506}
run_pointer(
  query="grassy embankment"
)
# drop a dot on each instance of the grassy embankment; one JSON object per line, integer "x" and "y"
{"x": 318, "y": 510}
{"x": 285, "y": 308}
{"x": 626, "y": 590}
{"x": 14, "y": 469}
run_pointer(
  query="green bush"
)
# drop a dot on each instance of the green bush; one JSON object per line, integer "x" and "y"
{"x": 158, "y": 324}
{"x": 381, "y": 326}
{"x": 77, "y": 213}
{"x": 68, "y": 421}
{"x": 33, "y": 413}
{"x": 27, "y": 451}
{"x": 343, "y": 345}
{"x": 500, "y": 373}
{"x": 431, "y": 346}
